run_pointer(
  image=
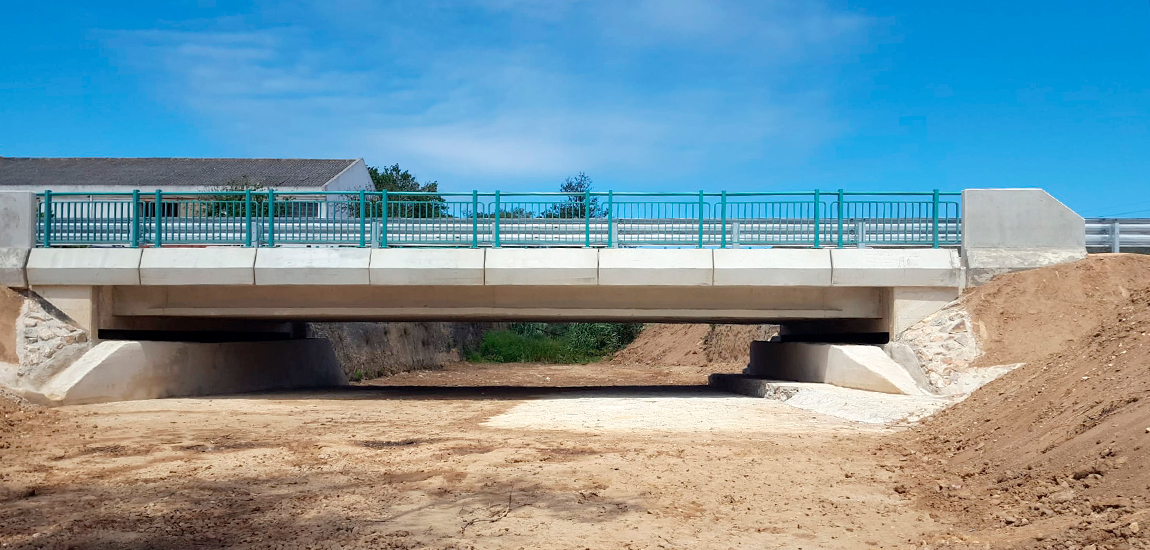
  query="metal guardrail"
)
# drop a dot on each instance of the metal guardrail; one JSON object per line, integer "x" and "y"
{"x": 593, "y": 219}
{"x": 1117, "y": 233}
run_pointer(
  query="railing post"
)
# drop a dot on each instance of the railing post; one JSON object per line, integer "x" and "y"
{"x": 934, "y": 211}
{"x": 383, "y": 220}
{"x": 159, "y": 240}
{"x": 735, "y": 234}
{"x": 1115, "y": 237}
{"x": 840, "y": 217}
{"x": 818, "y": 202}
{"x": 496, "y": 230}
{"x": 248, "y": 218}
{"x": 271, "y": 218}
{"x": 48, "y": 218}
{"x": 474, "y": 218}
{"x": 610, "y": 218}
{"x": 723, "y": 223}
{"x": 135, "y": 229}
{"x": 362, "y": 218}
{"x": 860, "y": 233}
{"x": 700, "y": 218}
{"x": 587, "y": 218}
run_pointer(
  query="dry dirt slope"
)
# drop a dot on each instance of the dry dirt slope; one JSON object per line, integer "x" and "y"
{"x": 693, "y": 344}
{"x": 1057, "y": 453}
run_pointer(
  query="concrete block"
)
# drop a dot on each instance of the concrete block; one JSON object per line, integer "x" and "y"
{"x": 1019, "y": 218}
{"x": 848, "y": 366}
{"x": 12, "y": 264}
{"x": 18, "y": 219}
{"x": 772, "y": 267}
{"x": 541, "y": 266}
{"x": 910, "y": 305}
{"x": 427, "y": 266}
{"x": 126, "y": 370}
{"x": 84, "y": 266}
{"x": 198, "y": 266}
{"x": 937, "y": 267}
{"x": 983, "y": 264}
{"x": 312, "y": 266}
{"x": 656, "y": 267}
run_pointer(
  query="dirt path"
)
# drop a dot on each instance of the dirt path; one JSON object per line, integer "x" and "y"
{"x": 469, "y": 466}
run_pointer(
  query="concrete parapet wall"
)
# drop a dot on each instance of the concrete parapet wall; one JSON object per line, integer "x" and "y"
{"x": 1006, "y": 230}
{"x": 17, "y": 219}
{"x": 848, "y": 366}
{"x": 541, "y": 266}
{"x": 13, "y": 264}
{"x": 772, "y": 267}
{"x": 84, "y": 266}
{"x": 198, "y": 266}
{"x": 312, "y": 266}
{"x": 656, "y": 267}
{"x": 427, "y": 266}
{"x": 126, "y": 370}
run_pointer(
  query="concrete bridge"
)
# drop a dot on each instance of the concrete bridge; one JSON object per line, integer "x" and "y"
{"x": 190, "y": 317}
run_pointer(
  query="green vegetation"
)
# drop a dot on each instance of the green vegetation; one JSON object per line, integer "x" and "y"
{"x": 554, "y": 342}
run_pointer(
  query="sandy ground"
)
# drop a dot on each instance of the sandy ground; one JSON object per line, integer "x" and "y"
{"x": 457, "y": 459}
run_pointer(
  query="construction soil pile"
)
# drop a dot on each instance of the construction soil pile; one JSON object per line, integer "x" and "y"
{"x": 1055, "y": 454}
{"x": 693, "y": 345}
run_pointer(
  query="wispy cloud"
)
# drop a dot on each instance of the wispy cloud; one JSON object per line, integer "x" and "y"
{"x": 513, "y": 88}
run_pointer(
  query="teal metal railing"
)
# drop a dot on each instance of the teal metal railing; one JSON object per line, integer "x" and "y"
{"x": 817, "y": 219}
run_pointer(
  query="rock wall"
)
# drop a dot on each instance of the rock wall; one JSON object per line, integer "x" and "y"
{"x": 370, "y": 350}
{"x": 36, "y": 340}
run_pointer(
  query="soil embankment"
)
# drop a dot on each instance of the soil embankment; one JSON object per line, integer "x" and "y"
{"x": 370, "y": 350}
{"x": 1053, "y": 454}
{"x": 693, "y": 345}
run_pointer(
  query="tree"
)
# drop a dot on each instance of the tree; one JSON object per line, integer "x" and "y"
{"x": 231, "y": 200}
{"x": 576, "y": 205}
{"x": 393, "y": 179}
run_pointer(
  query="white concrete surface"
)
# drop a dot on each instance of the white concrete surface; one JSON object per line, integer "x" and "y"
{"x": 848, "y": 366}
{"x": 656, "y": 267}
{"x": 84, "y": 266}
{"x": 427, "y": 266}
{"x": 982, "y": 264}
{"x": 541, "y": 266}
{"x": 12, "y": 264}
{"x": 312, "y": 266}
{"x": 198, "y": 266}
{"x": 18, "y": 219}
{"x": 910, "y": 305}
{"x": 902, "y": 267}
{"x": 772, "y": 267}
{"x": 127, "y": 370}
{"x": 848, "y": 404}
{"x": 77, "y": 303}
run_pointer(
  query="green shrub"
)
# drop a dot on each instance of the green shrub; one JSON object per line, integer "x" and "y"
{"x": 554, "y": 342}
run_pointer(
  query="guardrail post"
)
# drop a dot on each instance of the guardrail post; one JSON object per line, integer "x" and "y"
{"x": 817, "y": 222}
{"x": 383, "y": 220}
{"x": 496, "y": 230}
{"x": 735, "y": 236}
{"x": 587, "y": 219}
{"x": 48, "y": 218}
{"x": 700, "y": 218}
{"x": 474, "y": 218}
{"x": 248, "y": 218}
{"x": 860, "y": 233}
{"x": 934, "y": 210}
{"x": 271, "y": 218}
{"x": 840, "y": 217}
{"x": 1115, "y": 237}
{"x": 159, "y": 240}
{"x": 362, "y": 218}
{"x": 610, "y": 218}
{"x": 135, "y": 229}
{"x": 723, "y": 223}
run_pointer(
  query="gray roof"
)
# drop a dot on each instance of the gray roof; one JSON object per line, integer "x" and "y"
{"x": 152, "y": 173}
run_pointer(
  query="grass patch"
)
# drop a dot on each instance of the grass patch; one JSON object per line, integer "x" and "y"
{"x": 554, "y": 342}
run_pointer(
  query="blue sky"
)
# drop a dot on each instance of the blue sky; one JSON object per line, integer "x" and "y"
{"x": 643, "y": 95}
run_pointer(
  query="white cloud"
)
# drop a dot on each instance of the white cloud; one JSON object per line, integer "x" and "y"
{"x": 653, "y": 87}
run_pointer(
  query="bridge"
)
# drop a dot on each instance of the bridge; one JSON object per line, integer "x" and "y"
{"x": 221, "y": 274}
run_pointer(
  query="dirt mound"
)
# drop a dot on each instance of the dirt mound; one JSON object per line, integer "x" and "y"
{"x": 1052, "y": 455}
{"x": 693, "y": 345}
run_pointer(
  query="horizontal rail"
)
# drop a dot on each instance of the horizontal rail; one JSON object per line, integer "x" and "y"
{"x": 590, "y": 219}
{"x": 1117, "y": 233}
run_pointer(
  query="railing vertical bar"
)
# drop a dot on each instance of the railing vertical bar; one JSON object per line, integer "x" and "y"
{"x": 47, "y": 219}
{"x": 159, "y": 240}
{"x": 840, "y": 218}
{"x": 271, "y": 218}
{"x": 474, "y": 218}
{"x": 587, "y": 218}
{"x": 723, "y": 223}
{"x": 496, "y": 229}
{"x": 135, "y": 229}
{"x": 816, "y": 214}
{"x": 610, "y": 214}
{"x": 362, "y": 218}
{"x": 384, "y": 237}
{"x": 701, "y": 218}
{"x": 248, "y": 218}
{"x": 934, "y": 211}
